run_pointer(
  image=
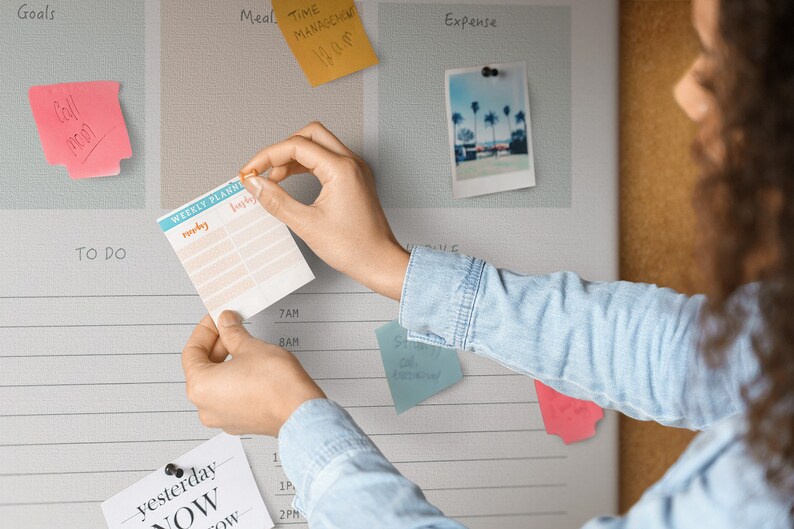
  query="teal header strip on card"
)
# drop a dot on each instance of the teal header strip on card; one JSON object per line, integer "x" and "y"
{"x": 214, "y": 197}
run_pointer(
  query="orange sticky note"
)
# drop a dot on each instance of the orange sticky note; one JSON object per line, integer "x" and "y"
{"x": 81, "y": 127}
{"x": 572, "y": 419}
{"x": 326, "y": 37}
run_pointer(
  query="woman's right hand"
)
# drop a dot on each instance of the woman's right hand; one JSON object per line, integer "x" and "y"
{"x": 346, "y": 226}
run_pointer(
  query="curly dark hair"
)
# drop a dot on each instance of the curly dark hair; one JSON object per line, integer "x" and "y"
{"x": 745, "y": 201}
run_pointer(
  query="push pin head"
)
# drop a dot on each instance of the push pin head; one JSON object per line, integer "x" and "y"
{"x": 249, "y": 174}
{"x": 487, "y": 71}
{"x": 173, "y": 470}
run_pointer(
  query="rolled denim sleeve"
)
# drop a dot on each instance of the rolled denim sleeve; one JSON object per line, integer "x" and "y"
{"x": 626, "y": 346}
{"x": 341, "y": 479}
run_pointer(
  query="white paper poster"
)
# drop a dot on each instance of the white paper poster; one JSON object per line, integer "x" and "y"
{"x": 215, "y": 489}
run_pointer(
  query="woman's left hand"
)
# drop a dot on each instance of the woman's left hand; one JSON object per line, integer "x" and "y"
{"x": 254, "y": 392}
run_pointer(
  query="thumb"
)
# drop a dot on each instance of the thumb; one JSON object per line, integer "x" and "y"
{"x": 234, "y": 336}
{"x": 276, "y": 200}
{"x": 197, "y": 350}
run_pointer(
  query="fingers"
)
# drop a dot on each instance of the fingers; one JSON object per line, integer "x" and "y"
{"x": 235, "y": 337}
{"x": 278, "y": 202}
{"x": 281, "y": 172}
{"x": 196, "y": 353}
{"x": 313, "y": 149}
{"x": 218, "y": 353}
{"x": 316, "y": 132}
{"x": 314, "y": 157}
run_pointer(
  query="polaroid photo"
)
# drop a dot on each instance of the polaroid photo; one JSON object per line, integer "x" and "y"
{"x": 490, "y": 133}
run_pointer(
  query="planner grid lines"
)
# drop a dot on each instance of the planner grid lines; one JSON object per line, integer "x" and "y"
{"x": 84, "y": 457}
{"x": 243, "y": 254}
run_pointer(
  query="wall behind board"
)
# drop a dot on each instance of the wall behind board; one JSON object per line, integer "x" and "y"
{"x": 657, "y": 178}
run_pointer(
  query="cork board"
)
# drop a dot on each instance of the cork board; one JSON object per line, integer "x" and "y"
{"x": 657, "y": 178}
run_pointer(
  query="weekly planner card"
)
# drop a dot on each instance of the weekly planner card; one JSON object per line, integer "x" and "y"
{"x": 238, "y": 256}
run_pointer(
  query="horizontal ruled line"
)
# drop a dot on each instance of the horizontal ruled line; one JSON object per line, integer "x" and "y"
{"x": 333, "y": 350}
{"x": 380, "y": 377}
{"x": 194, "y": 295}
{"x": 35, "y": 503}
{"x": 88, "y": 354}
{"x": 332, "y": 293}
{"x": 150, "y": 470}
{"x": 68, "y": 414}
{"x": 106, "y": 442}
{"x": 518, "y": 430}
{"x": 372, "y": 377}
{"x": 69, "y": 384}
{"x": 175, "y": 353}
{"x": 479, "y": 459}
{"x": 81, "y": 325}
{"x": 134, "y": 441}
{"x": 485, "y": 487}
{"x": 351, "y": 407}
{"x": 69, "y": 473}
{"x": 333, "y": 321}
{"x": 143, "y": 383}
{"x": 428, "y": 404}
{"x": 510, "y": 515}
{"x": 498, "y": 487}
{"x": 476, "y": 375}
{"x": 78, "y": 296}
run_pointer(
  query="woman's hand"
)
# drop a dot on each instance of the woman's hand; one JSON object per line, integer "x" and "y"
{"x": 254, "y": 392}
{"x": 345, "y": 226}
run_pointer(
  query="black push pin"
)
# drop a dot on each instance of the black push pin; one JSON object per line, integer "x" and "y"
{"x": 487, "y": 71}
{"x": 173, "y": 470}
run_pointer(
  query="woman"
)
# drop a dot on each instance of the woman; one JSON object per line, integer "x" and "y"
{"x": 722, "y": 364}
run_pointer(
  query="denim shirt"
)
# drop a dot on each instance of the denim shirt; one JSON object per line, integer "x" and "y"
{"x": 626, "y": 346}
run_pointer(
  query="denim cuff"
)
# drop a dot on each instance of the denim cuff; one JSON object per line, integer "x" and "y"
{"x": 316, "y": 434}
{"x": 438, "y": 297}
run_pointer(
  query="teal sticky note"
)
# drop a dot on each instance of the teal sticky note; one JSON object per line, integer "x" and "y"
{"x": 415, "y": 371}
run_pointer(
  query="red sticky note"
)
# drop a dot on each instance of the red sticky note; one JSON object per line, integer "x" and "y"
{"x": 81, "y": 127}
{"x": 572, "y": 419}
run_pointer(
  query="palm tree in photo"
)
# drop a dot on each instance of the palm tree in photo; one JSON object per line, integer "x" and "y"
{"x": 457, "y": 119}
{"x": 465, "y": 135}
{"x": 491, "y": 119}
{"x": 521, "y": 118}
{"x": 506, "y": 111}
{"x": 475, "y": 107}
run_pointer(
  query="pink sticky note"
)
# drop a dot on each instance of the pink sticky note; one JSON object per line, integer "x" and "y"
{"x": 572, "y": 419}
{"x": 81, "y": 126}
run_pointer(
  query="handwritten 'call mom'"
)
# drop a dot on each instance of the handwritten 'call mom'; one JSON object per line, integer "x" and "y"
{"x": 85, "y": 135}
{"x": 81, "y": 126}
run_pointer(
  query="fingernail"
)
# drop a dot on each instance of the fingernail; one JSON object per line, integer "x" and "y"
{"x": 254, "y": 184}
{"x": 229, "y": 319}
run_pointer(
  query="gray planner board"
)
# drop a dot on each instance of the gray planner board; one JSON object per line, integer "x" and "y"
{"x": 91, "y": 388}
